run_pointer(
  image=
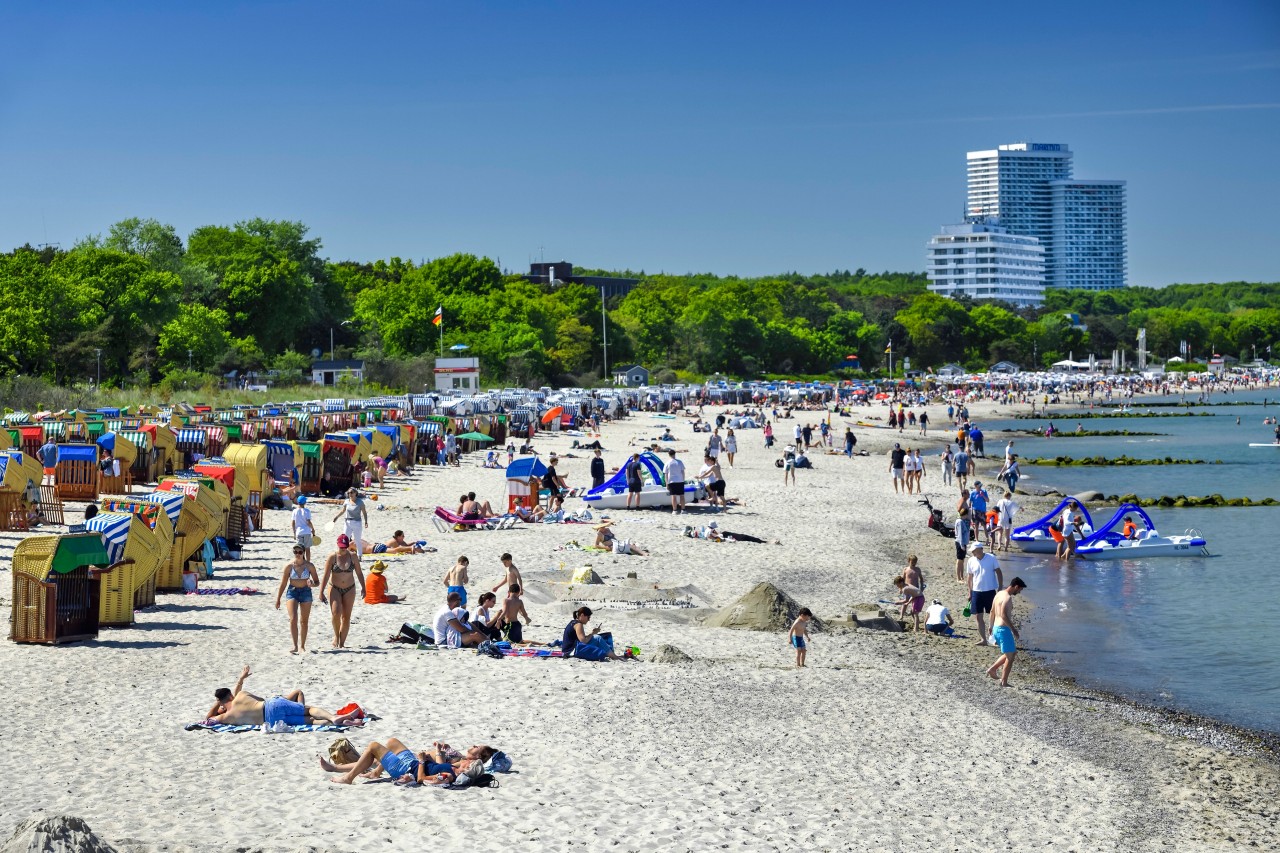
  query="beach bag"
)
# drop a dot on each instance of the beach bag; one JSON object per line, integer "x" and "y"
{"x": 342, "y": 752}
{"x": 499, "y": 763}
{"x": 490, "y": 648}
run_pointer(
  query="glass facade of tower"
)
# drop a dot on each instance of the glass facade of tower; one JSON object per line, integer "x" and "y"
{"x": 1028, "y": 189}
{"x": 1088, "y": 229}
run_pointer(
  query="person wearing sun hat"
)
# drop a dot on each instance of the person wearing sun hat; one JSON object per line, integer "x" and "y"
{"x": 375, "y": 590}
{"x": 604, "y": 536}
{"x": 607, "y": 540}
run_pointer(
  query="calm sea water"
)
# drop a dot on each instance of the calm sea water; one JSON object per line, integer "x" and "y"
{"x": 1198, "y": 634}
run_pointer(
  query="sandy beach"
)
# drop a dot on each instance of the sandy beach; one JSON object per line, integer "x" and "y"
{"x": 886, "y": 741}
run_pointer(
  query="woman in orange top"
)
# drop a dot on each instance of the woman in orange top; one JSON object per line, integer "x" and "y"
{"x": 375, "y": 590}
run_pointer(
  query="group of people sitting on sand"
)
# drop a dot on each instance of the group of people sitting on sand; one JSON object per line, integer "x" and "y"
{"x": 456, "y": 627}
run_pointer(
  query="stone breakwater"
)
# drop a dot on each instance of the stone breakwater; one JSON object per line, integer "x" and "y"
{"x": 1080, "y": 416}
{"x": 1193, "y": 501}
{"x": 1086, "y": 433}
{"x": 1061, "y": 461}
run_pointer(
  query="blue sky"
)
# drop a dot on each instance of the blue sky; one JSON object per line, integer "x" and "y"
{"x": 735, "y": 137}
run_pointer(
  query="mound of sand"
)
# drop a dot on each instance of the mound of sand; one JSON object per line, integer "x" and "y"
{"x": 57, "y": 834}
{"x": 764, "y": 608}
{"x": 670, "y": 654}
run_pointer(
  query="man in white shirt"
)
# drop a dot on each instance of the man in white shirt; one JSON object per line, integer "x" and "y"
{"x": 303, "y": 530}
{"x": 673, "y": 473}
{"x": 984, "y": 579}
{"x": 937, "y": 618}
{"x": 1007, "y": 509}
{"x": 450, "y": 629}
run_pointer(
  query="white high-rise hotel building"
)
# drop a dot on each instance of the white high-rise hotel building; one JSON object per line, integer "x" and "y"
{"x": 1027, "y": 190}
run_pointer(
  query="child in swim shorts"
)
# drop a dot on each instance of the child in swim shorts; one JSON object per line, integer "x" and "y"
{"x": 799, "y": 629}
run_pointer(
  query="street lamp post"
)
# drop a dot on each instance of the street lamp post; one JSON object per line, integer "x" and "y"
{"x": 97, "y": 356}
{"x": 604, "y": 331}
{"x": 343, "y": 323}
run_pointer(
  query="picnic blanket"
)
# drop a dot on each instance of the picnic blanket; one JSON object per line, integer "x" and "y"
{"x": 509, "y": 652}
{"x": 223, "y": 728}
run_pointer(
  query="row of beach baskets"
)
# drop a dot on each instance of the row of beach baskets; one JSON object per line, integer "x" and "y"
{"x": 66, "y": 587}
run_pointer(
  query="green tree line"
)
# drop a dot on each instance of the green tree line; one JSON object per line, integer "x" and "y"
{"x": 141, "y": 305}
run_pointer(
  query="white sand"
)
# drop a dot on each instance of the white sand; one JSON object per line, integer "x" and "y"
{"x": 885, "y": 742}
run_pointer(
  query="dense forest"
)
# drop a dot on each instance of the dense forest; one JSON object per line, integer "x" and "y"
{"x": 140, "y": 306}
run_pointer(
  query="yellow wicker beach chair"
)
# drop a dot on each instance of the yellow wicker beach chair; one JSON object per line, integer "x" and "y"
{"x": 57, "y": 588}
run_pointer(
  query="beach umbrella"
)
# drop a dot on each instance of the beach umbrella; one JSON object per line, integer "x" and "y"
{"x": 552, "y": 414}
{"x": 475, "y": 436}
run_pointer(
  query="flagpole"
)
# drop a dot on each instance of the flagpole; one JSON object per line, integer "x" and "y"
{"x": 442, "y": 335}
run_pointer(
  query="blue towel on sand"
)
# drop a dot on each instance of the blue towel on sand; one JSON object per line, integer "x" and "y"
{"x": 222, "y": 728}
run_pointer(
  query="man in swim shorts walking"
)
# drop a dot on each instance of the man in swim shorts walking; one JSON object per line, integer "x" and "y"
{"x": 1003, "y": 633}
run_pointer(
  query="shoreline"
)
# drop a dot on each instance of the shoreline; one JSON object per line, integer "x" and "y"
{"x": 1262, "y": 744}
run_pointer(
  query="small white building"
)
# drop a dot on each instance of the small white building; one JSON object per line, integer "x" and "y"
{"x": 986, "y": 262}
{"x": 457, "y": 374}
{"x": 329, "y": 372}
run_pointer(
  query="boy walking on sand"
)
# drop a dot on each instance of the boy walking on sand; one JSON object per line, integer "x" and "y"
{"x": 799, "y": 629}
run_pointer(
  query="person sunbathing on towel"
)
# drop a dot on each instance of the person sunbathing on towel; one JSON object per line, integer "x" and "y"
{"x": 439, "y": 766}
{"x": 239, "y": 707}
{"x": 400, "y": 544}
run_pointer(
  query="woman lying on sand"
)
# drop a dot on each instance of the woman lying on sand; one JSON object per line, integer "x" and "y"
{"x": 607, "y": 540}
{"x": 440, "y": 766}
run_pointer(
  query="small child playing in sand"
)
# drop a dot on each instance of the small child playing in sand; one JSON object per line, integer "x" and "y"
{"x": 798, "y": 633}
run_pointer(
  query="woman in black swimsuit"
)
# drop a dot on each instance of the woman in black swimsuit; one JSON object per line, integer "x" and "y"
{"x": 342, "y": 569}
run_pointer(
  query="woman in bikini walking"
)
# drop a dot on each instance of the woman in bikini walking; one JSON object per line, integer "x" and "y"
{"x": 296, "y": 581}
{"x": 341, "y": 576}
